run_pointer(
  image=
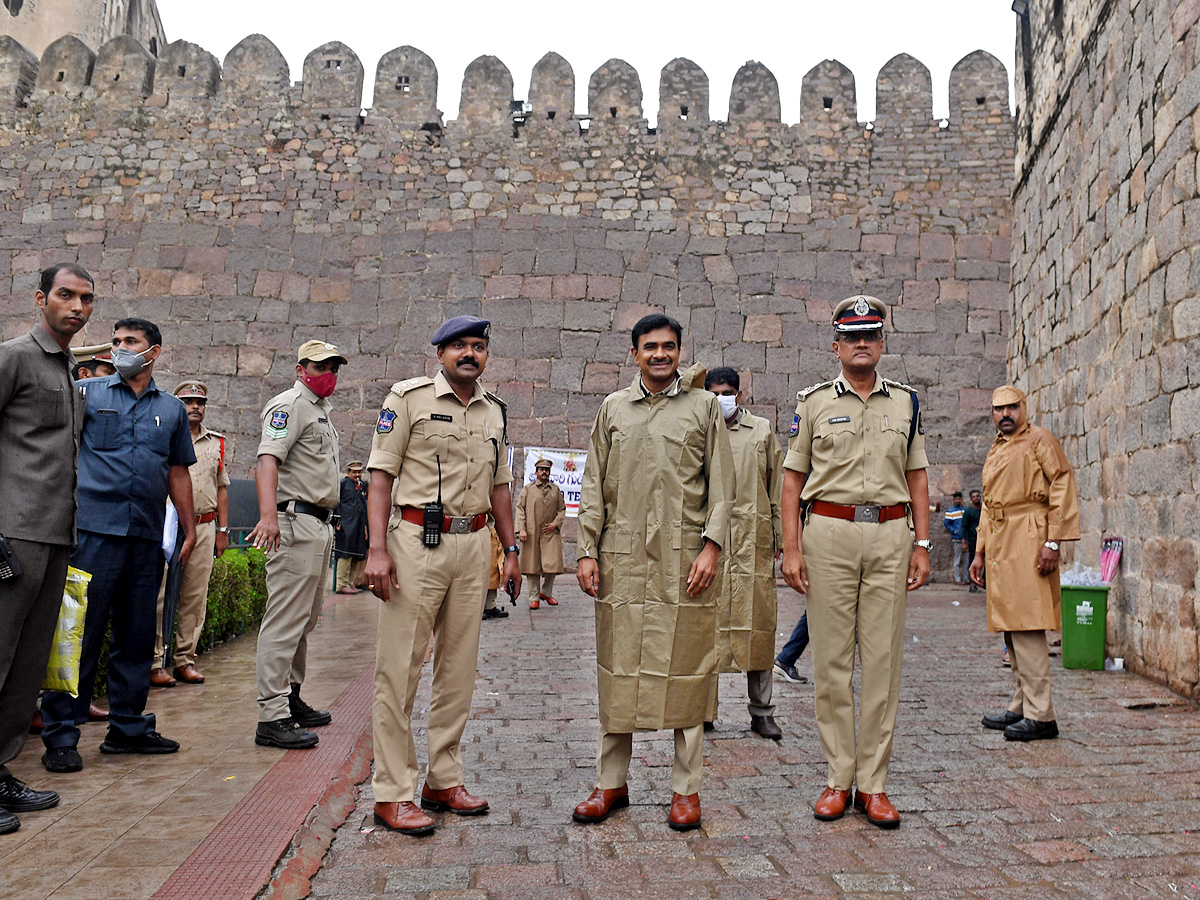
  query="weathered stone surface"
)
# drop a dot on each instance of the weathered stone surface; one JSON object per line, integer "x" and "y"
{"x": 124, "y": 71}
{"x": 333, "y": 78}
{"x": 18, "y": 72}
{"x": 65, "y": 68}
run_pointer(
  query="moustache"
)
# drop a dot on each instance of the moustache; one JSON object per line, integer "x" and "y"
{"x": 468, "y": 361}
{"x": 1009, "y": 420}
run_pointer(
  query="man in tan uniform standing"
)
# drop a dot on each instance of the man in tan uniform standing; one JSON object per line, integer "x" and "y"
{"x": 297, "y": 476}
{"x": 747, "y": 613}
{"x": 541, "y": 510}
{"x": 653, "y": 519}
{"x": 211, "y": 503}
{"x": 1029, "y": 506}
{"x": 439, "y": 465}
{"x": 856, "y": 462}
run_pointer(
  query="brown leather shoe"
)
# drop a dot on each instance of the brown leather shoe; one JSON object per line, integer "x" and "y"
{"x": 600, "y": 803}
{"x": 831, "y": 804}
{"x": 404, "y": 818}
{"x": 189, "y": 673}
{"x": 685, "y": 812}
{"x": 160, "y": 677}
{"x": 455, "y": 799}
{"x": 97, "y": 713}
{"x": 878, "y": 808}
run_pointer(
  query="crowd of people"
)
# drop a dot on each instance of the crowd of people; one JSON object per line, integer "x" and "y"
{"x": 687, "y": 504}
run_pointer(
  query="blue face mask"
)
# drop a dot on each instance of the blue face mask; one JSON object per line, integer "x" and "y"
{"x": 128, "y": 363}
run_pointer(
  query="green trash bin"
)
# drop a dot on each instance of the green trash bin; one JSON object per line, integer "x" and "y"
{"x": 1084, "y": 618}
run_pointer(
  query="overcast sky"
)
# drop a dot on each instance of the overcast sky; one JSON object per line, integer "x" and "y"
{"x": 788, "y": 37}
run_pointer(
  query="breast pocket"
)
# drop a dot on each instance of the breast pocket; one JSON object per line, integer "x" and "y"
{"x": 895, "y": 441}
{"x": 50, "y": 405}
{"x": 440, "y": 439}
{"x": 105, "y": 429}
{"x": 836, "y": 440}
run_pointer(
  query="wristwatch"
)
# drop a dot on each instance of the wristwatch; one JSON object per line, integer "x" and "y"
{"x": 224, "y": 529}
{"x": 1051, "y": 545}
{"x": 924, "y": 545}
{"x": 513, "y": 549}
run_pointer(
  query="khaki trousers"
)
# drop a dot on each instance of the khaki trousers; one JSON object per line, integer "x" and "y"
{"x": 348, "y": 571}
{"x": 616, "y": 749}
{"x": 441, "y": 592}
{"x": 296, "y": 581}
{"x": 547, "y": 587}
{"x": 858, "y": 574}
{"x": 1031, "y": 668}
{"x": 193, "y": 600}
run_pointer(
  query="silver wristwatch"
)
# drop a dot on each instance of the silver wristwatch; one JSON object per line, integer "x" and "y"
{"x": 1051, "y": 545}
{"x": 223, "y": 529}
{"x": 924, "y": 545}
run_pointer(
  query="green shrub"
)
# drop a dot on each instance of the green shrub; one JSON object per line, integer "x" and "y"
{"x": 237, "y": 597}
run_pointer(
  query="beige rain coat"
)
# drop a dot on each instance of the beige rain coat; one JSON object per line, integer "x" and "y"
{"x": 1029, "y": 498}
{"x": 657, "y": 483}
{"x": 542, "y": 554}
{"x": 747, "y": 611}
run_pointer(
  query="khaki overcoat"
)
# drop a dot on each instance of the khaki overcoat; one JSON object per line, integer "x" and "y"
{"x": 657, "y": 483}
{"x": 1029, "y": 498}
{"x": 747, "y": 611}
{"x": 540, "y": 505}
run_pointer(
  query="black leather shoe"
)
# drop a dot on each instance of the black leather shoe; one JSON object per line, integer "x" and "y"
{"x": 62, "y": 759}
{"x": 16, "y": 796}
{"x": 495, "y": 612}
{"x": 1001, "y": 721}
{"x": 8, "y": 822}
{"x": 305, "y": 715}
{"x": 150, "y": 742}
{"x": 765, "y": 726}
{"x": 284, "y": 733}
{"x": 710, "y": 726}
{"x": 1031, "y": 730}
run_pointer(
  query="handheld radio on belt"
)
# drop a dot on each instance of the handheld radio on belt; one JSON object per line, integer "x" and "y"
{"x": 434, "y": 516}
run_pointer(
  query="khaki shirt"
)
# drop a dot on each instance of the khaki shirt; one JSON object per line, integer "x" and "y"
{"x": 856, "y": 451}
{"x": 296, "y": 431}
{"x": 208, "y": 472}
{"x": 422, "y": 422}
{"x": 41, "y": 415}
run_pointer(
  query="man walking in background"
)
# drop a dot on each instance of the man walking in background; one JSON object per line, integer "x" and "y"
{"x": 952, "y": 522}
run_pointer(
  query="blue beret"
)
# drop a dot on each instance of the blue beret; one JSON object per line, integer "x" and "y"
{"x": 461, "y": 326}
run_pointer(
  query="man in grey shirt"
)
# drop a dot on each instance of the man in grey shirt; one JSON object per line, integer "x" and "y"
{"x": 40, "y": 418}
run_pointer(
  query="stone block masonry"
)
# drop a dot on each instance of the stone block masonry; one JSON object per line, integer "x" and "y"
{"x": 246, "y": 214}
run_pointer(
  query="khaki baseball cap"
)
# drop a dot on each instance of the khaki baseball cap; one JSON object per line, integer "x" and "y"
{"x": 319, "y": 351}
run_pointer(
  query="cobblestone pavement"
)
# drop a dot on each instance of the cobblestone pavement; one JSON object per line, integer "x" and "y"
{"x": 1109, "y": 810}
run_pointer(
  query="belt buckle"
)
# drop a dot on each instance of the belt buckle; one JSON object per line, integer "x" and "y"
{"x": 459, "y": 524}
{"x": 867, "y": 514}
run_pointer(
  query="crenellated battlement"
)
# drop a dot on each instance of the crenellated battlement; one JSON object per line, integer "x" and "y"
{"x": 256, "y": 75}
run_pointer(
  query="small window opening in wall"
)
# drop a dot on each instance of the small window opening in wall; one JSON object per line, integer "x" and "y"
{"x": 584, "y": 124}
{"x": 827, "y": 102}
{"x": 683, "y": 113}
{"x": 324, "y": 117}
{"x": 154, "y": 46}
{"x": 117, "y": 77}
{"x": 550, "y": 113}
{"x": 182, "y": 71}
{"x": 61, "y": 75}
{"x": 979, "y": 101}
{"x": 402, "y": 83}
{"x": 335, "y": 64}
{"x": 612, "y": 111}
{"x": 651, "y": 131}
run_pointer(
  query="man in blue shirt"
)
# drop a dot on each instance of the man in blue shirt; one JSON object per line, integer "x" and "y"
{"x": 135, "y": 451}
{"x": 953, "y": 524}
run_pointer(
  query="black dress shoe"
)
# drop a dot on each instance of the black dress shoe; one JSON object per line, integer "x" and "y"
{"x": 765, "y": 726}
{"x": 710, "y": 726}
{"x": 8, "y": 822}
{"x": 16, "y": 796}
{"x": 305, "y": 715}
{"x": 285, "y": 733}
{"x": 62, "y": 759}
{"x": 150, "y": 742}
{"x": 1031, "y": 730}
{"x": 1001, "y": 721}
{"x": 495, "y": 612}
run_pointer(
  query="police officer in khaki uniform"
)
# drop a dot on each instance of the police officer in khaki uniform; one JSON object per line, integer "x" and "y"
{"x": 211, "y": 503}
{"x": 439, "y": 464}
{"x": 856, "y": 463}
{"x": 298, "y": 476}
{"x": 541, "y": 511}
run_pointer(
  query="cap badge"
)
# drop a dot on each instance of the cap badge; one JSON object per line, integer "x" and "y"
{"x": 861, "y": 306}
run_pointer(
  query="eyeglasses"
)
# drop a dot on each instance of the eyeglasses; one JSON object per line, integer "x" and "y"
{"x": 853, "y": 337}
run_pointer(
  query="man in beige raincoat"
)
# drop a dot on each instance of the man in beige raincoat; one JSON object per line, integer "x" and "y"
{"x": 1029, "y": 506}
{"x": 541, "y": 510}
{"x": 653, "y": 517}
{"x": 746, "y": 614}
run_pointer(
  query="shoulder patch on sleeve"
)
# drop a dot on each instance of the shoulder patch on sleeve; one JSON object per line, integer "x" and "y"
{"x": 811, "y": 389}
{"x": 400, "y": 388}
{"x": 387, "y": 421}
{"x": 795, "y": 429}
{"x": 277, "y": 426}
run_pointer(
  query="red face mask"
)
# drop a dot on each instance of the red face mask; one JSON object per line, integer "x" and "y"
{"x": 321, "y": 385}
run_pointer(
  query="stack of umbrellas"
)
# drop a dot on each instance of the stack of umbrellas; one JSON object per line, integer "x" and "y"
{"x": 1110, "y": 557}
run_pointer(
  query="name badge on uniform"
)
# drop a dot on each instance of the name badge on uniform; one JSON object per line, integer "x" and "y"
{"x": 277, "y": 427}
{"x": 795, "y": 429}
{"x": 440, "y": 417}
{"x": 838, "y": 420}
{"x": 387, "y": 421}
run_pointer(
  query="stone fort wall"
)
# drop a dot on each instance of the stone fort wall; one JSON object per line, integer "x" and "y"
{"x": 1106, "y": 296}
{"x": 246, "y": 214}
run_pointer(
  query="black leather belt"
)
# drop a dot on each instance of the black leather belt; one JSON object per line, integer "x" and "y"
{"x": 310, "y": 509}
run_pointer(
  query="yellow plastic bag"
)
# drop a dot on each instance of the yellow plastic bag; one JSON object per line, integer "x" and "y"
{"x": 62, "y": 671}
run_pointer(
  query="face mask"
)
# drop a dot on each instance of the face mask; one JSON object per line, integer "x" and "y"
{"x": 128, "y": 363}
{"x": 321, "y": 385}
{"x": 728, "y": 405}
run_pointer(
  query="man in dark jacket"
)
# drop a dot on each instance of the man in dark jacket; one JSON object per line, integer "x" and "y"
{"x": 350, "y": 538}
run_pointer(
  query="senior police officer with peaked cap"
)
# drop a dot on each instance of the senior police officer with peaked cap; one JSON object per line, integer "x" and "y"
{"x": 439, "y": 464}
{"x": 298, "y": 489}
{"x": 856, "y": 463}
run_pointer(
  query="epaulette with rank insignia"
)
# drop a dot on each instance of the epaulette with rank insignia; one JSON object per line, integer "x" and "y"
{"x": 801, "y": 395}
{"x": 915, "y": 426}
{"x": 900, "y": 384}
{"x": 503, "y": 412}
{"x": 400, "y": 388}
